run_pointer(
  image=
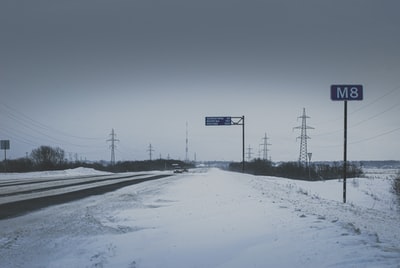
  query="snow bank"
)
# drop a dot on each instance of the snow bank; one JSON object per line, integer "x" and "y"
{"x": 212, "y": 219}
{"x": 80, "y": 171}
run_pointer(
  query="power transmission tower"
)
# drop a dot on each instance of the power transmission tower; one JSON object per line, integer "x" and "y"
{"x": 303, "y": 138}
{"x": 265, "y": 147}
{"x": 249, "y": 153}
{"x": 150, "y": 150}
{"x": 187, "y": 144}
{"x": 113, "y": 140}
{"x": 259, "y": 151}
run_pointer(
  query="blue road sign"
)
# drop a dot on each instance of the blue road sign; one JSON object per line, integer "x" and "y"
{"x": 219, "y": 121}
{"x": 346, "y": 92}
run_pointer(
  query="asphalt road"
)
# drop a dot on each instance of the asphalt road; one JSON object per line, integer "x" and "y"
{"x": 20, "y": 197}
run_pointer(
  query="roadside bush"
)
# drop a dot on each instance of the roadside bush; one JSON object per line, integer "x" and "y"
{"x": 295, "y": 170}
{"x": 17, "y": 165}
{"x": 147, "y": 165}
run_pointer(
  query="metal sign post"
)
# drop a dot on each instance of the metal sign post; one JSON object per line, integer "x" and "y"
{"x": 345, "y": 152}
{"x": 346, "y": 93}
{"x": 228, "y": 121}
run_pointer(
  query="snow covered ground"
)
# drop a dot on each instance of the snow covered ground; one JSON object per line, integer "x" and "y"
{"x": 214, "y": 218}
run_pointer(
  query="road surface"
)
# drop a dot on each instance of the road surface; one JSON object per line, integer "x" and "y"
{"x": 21, "y": 196}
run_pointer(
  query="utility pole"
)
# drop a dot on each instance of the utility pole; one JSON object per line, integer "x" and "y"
{"x": 265, "y": 147}
{"x": 303, "y": 156}
{"x": 150, "y": 150}
{"x": 113, "y": 140}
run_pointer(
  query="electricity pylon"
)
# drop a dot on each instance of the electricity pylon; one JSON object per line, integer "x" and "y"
{"x": 249, "y": 153}
{"x": 187, "y": 144}
{"x": 113, "y": 140}
{"x": 265, "y": 147}
{"x": 303, "y": 157}
{"x": 150, "y": 150}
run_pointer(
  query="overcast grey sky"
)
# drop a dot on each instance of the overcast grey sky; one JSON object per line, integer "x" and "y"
{"x": 70, "y": 71}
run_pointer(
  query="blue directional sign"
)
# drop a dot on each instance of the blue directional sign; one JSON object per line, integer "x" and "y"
{"x": 346, "y": 92}
{"x": 219, "y": 121}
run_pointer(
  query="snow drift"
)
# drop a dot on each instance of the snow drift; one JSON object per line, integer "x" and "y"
{"x": 213, "y": 218}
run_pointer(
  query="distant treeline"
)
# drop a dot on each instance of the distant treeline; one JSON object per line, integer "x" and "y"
{"x": 48, "y": 158}
{"x": 147, "y": 165}
{"x": 381, "y": 164}
{"x": 295, "y": 170}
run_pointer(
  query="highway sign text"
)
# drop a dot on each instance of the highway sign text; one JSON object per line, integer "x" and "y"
{"x": 346, "y": 92}
{"x": 219, "y": 121}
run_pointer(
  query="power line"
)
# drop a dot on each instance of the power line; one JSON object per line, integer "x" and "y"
{"x": 360, "y": 122}
{"x": 376, "y": 115}
{"x": 25, "y": 130}
{"x": 363, "y": 140}
{"x": 376, "y": 136}
{"x": 35, "y": 125}
{"x": 377, "y": 99}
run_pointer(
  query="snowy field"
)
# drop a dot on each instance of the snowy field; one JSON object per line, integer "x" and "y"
{"x": 212, "y": 218}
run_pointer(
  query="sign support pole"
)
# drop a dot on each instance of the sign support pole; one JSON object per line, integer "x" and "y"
{"x": 5, "y": 145}
{"x": 345, "y": 152}
{"x": 5, "y": 160}
{"x": 241, "y": 122}
{"x": 345, "y": 93}
{"x": 227, "y": 121}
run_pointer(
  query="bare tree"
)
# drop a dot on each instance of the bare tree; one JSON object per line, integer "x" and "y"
{"x": 46, "y": 157}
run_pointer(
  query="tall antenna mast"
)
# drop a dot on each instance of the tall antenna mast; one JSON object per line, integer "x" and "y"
{"x": 113, "y": 146}
{"x": 303, "y": 138}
